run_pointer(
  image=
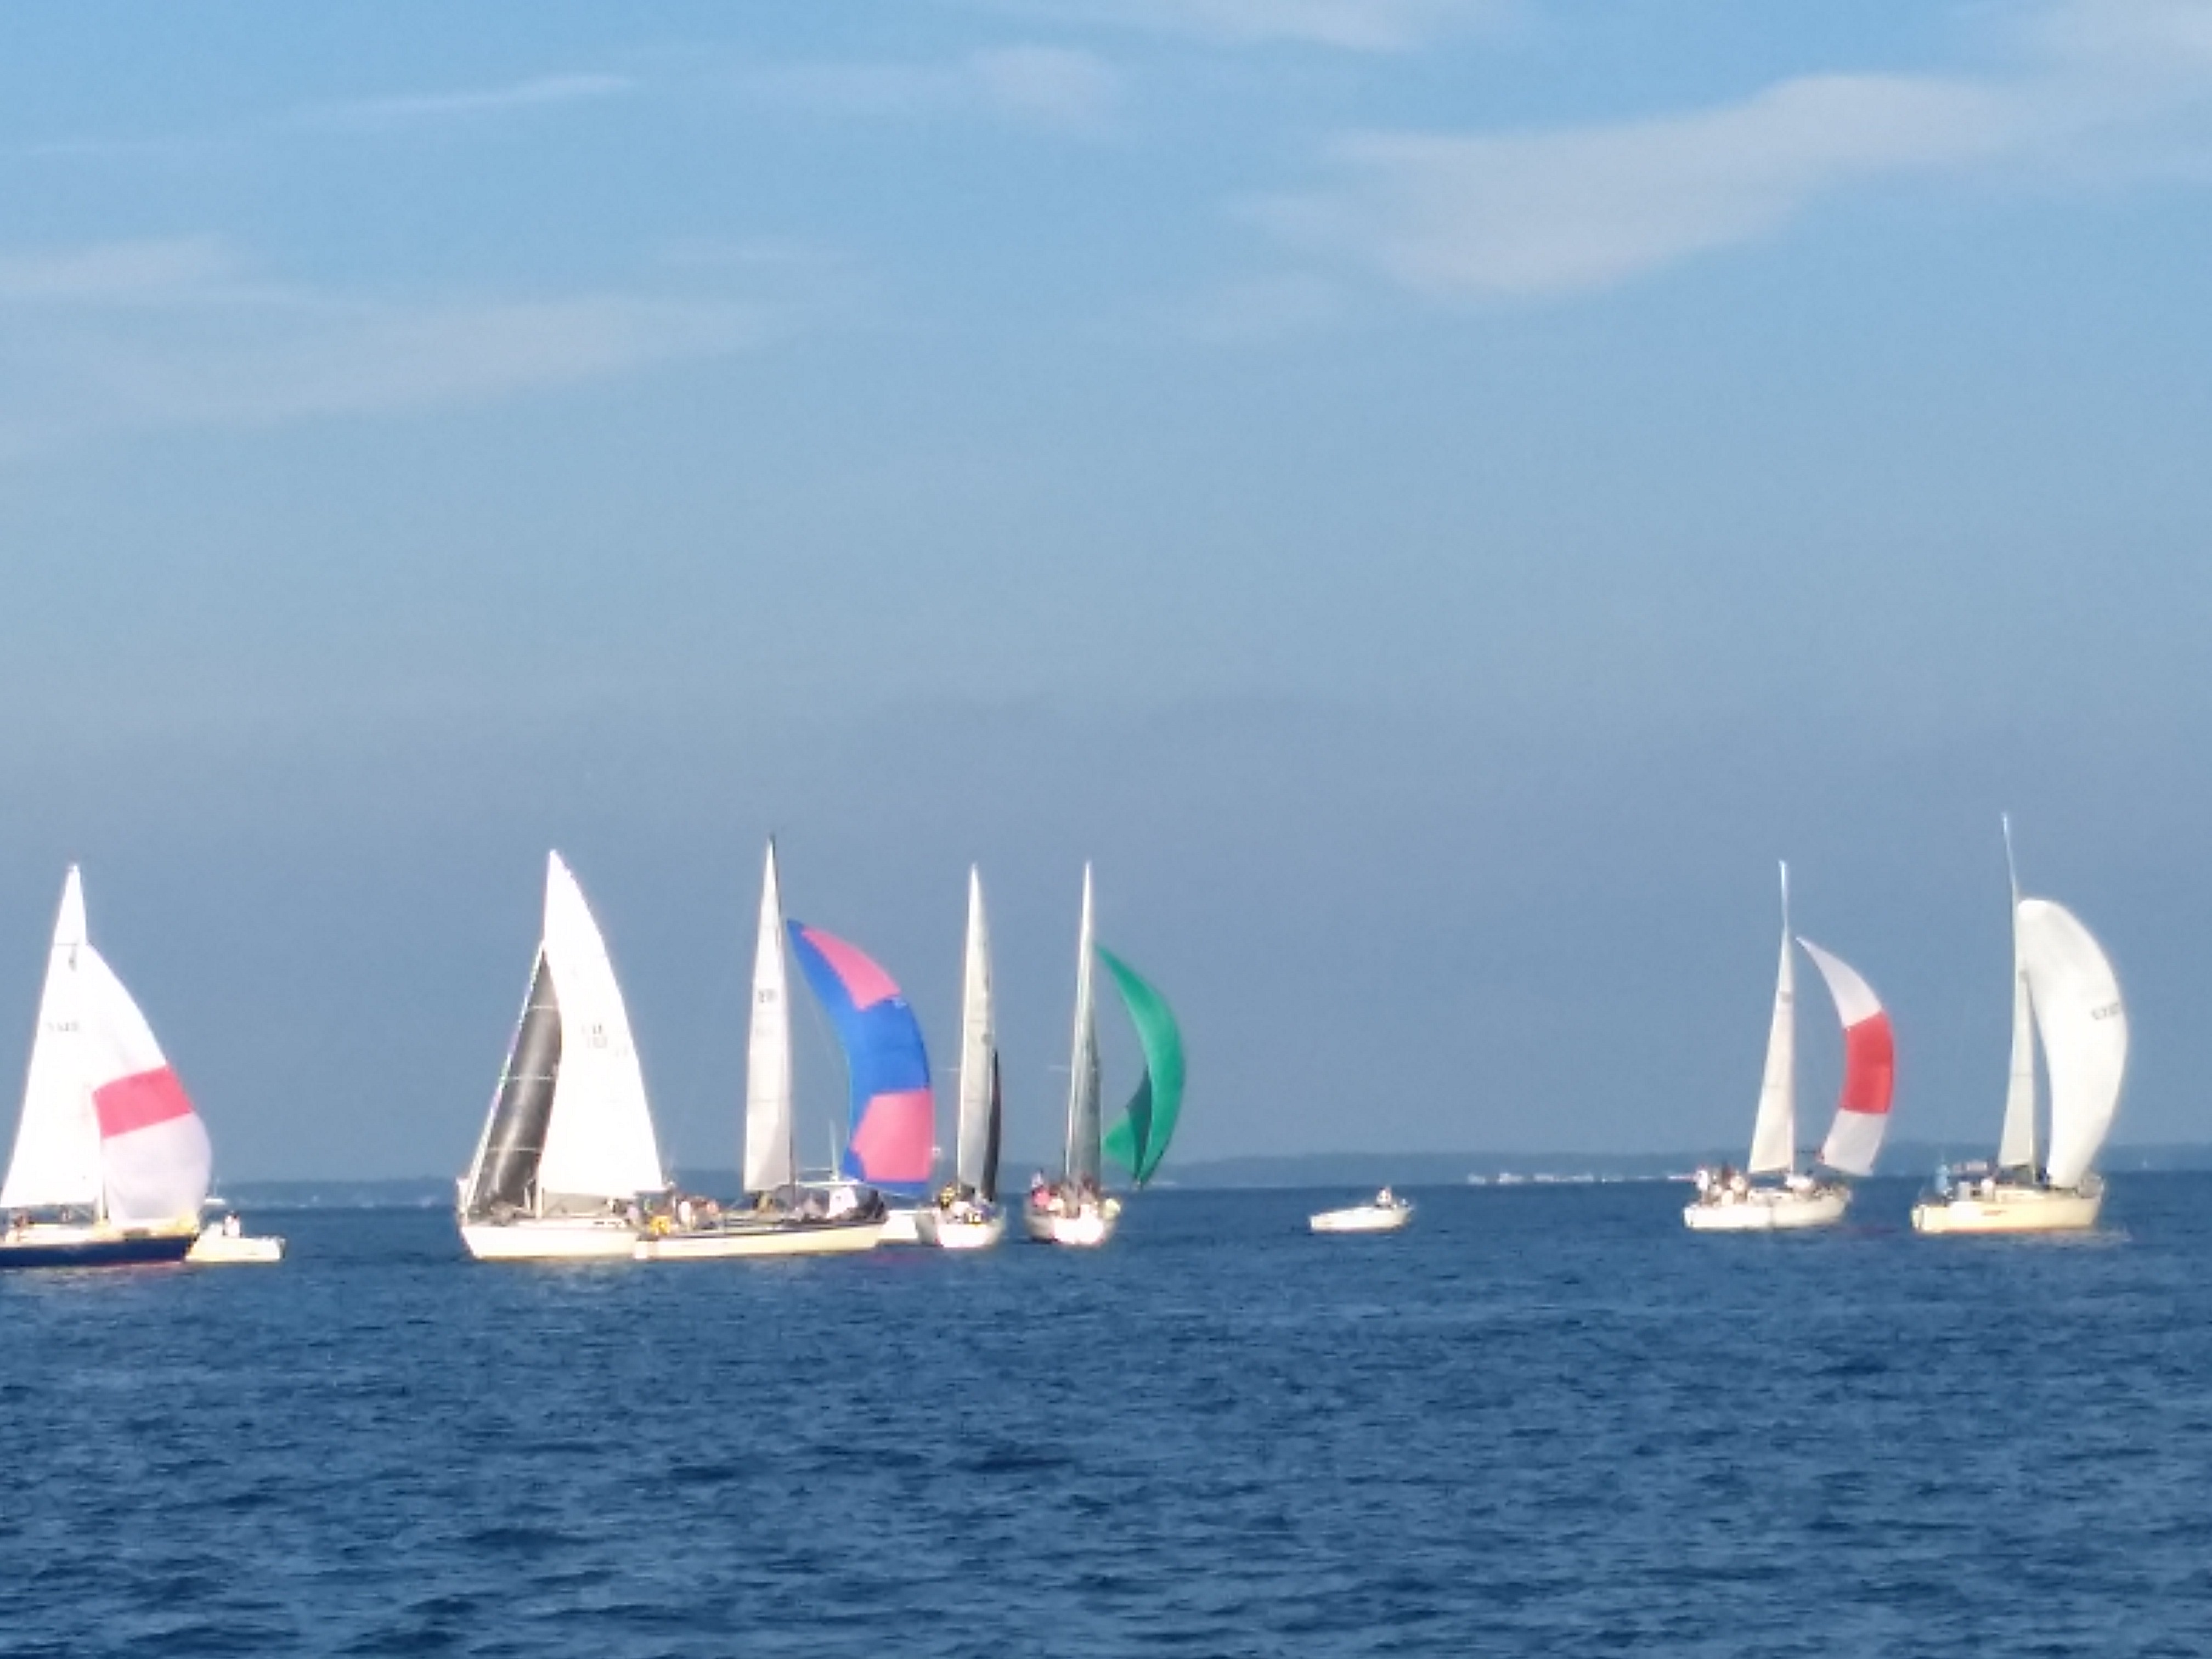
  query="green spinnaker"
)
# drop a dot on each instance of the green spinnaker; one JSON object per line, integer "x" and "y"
{"x": 1138, "y": 1141}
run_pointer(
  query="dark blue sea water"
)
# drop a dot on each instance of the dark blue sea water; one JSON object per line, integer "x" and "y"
{"x": 1544, "y": 1421}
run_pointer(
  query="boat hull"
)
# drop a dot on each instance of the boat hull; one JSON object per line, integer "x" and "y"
{"x": 1087, "y": 1228}
{"x": 550, "y": 1238}
{"x": 2006, "y": 1209}
{"x": 902, "y": 1227}
{"x": 58, "y": 1246}
{"x": 743, "y": 1240}
{"x": 216, "y": 1248}
{"x": 947, "y": 1234}
{"x": 1363, "y": 1218}
{"x": 1770, "y": 1210}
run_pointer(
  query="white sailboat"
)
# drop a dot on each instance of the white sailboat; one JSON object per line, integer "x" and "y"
{"x": 1078, "y": 1210}
{"x": 1729, "y": 1201}
{"x": 966, "y": 1216}
{"x": 784, "y": 1219}
{"x": 568, "y": 1148}
{"x": 2064, "y": 990}
{"x": 111, "y": 1162}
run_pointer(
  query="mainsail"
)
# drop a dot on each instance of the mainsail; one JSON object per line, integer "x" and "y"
{"x": 1774, "y": 1131}
{"x": 1869, "y": 1067}
{"x": 1082, "y": 1158}
{"x": 976, "y": 1162}
{"x": 770, "y": 1159}
{"x": 2016, "y": 1142}
{"x": 1138, "y": 1141}
{"x": 106, "y": 1123}
{"x": 570, "y": 1120}
{"x": 2085, "y": 1032}
{"x": 893, "y": 1109}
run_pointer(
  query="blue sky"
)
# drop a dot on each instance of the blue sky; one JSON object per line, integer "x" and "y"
{"x": 1435, "y": 498}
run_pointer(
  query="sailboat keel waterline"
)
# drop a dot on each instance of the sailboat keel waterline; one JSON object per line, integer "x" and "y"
{"x": 2000, "y": 1207}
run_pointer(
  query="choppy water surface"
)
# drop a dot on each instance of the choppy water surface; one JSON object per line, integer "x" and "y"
{"x": 1545, "y": 1420}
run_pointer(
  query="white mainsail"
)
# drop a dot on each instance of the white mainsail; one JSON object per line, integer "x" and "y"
{"x": 978, "y": 1048}
{"x": 770, "y": 1161}
{"x": 2084, "y": 1025}
{"x": 1774, "y": 1132}
{"x": 56, "y": 1156}
{"x": 1083, "y": 1122}
{"x": 2016, "y": 1142}
{"x": 599, "y": 1137}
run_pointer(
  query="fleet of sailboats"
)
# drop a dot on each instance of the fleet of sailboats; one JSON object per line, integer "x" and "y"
{"x": 1743, "y": 1201}
{"x": 111, "y": 1164}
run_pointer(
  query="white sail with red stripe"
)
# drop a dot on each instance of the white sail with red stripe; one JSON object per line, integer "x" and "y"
{"x": 106, "y": 1124}
{"x": 1870, "y": 1067}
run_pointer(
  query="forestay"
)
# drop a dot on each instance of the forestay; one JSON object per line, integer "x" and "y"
{"x": 1869, "y": 1067}
{"x": 2084, "y": 1024}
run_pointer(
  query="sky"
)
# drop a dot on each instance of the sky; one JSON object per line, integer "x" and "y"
{"x": 1434, "y": 498}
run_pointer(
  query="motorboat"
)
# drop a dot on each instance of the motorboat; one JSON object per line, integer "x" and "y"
{"x": 1385, "y": 1213}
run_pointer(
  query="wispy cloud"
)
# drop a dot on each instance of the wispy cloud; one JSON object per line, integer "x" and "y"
{"x": 406, "y": 108}
{"x": 1378, "y": 26}
{"x": 184, "y": 333}
{"x": 1051, "y": 87}
{"x": 1458, "y": 215}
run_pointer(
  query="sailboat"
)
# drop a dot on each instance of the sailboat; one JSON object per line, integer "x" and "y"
{"x": 1732, "y": 1202}
{"x": 2065, "y": 991}
{"x": 1078, "y": 1210}
{"x": 568, "y": 1147}
{"x": 111, "y": 1162}
{"x": 966, "y": 1216}
{"x": 785, "y": 1217}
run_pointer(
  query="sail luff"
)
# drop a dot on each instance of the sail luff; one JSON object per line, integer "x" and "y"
{"x": 771, "y": 1155}
{"x": 1774, "y": 1131}
{"x": 1082, "y": 1159}
{"x": 2016, "y": 1142}
{"x": 978, "y": 1051}
{"x": 56, "y": 1159}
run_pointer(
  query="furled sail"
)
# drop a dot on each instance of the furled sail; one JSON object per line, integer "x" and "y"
{"x": 96, "y": 1066}
{"x": 976, "y": 1160}
{"x": 599, "y": 1139}
{"x": 1083, "y": 1149}
{"x": 1139, "y": 1141}
{"x": 2085, "y": 1033}
{"x": 890, "y": 1134}
{"x": 770, "y": 1160}
{"x": 1869, "y": 1067}
{"x": 1774, "y": 1131}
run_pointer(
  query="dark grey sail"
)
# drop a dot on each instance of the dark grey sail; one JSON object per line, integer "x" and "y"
{"x": 514, "y": 1139}
{"x": 989, "y": 1189}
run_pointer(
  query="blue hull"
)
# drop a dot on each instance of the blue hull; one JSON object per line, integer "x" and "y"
{"x": 97, "y": 1252}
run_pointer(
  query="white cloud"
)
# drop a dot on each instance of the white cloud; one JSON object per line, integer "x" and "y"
{"x": 128, "y": 335}
{"x": 1459, "y": 215}
{"x": 405, "y": 108}
{"x": 1037, "y": 86}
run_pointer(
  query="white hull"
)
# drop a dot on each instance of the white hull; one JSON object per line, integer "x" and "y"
{"x": 1363, "y": 1218}
{"x": 552, "y": 1238}
{"x": 902, "y": 1227}
{"x": 216, "y": 1248}
{"x": 1087, "y": 1228}
{"x": 2006, "y": 1209}
{"x": 1770, "y": 1209}
{"x": 726, "y": 1244}
{"x": 946, "y": 1234}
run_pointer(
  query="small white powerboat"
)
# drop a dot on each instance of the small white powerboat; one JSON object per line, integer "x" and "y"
{"x": 226, "y": 1242}
{"x": 1386, "y": 1213}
